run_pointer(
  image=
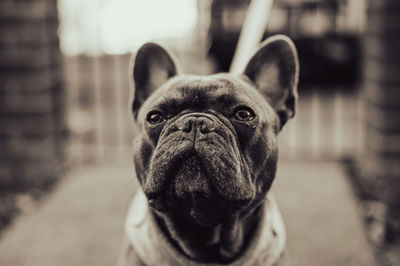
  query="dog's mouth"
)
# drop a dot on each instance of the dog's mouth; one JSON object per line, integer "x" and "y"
{"x": 191, "y": 193}
{"x": 190, "y": 190}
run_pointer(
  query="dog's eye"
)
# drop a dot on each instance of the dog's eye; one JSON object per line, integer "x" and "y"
{"x": 155, "y": 117}
{"x": 244, "y": 114}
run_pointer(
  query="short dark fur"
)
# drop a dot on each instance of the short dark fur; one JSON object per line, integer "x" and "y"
{"x": 204, "y": 169}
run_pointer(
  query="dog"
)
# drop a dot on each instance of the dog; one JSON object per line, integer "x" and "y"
{"x": 205, "y": 155}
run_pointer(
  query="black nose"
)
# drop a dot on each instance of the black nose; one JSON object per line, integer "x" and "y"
{"x": 195, "y": 123}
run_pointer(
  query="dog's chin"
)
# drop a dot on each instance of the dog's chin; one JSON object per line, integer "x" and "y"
{"x": 193, "y": 192}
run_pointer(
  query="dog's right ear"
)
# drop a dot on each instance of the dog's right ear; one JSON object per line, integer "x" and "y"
{"x": 274, "y": 69}
{"x": 152, "y": 66}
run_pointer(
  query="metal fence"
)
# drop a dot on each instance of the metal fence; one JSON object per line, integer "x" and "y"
{"x": 98, "y": 117}
{"x": 326, "y": 126}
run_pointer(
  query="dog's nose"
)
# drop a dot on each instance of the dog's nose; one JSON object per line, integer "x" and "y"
{"x": 196, "y": 123}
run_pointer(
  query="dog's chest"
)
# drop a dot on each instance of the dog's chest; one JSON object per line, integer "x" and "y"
{"x": 151, "y": 247}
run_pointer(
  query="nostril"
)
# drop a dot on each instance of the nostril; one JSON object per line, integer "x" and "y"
{"x": 204, "y": 126}
{"x": 205, "y": 129}
{"x": 186, "y": 126}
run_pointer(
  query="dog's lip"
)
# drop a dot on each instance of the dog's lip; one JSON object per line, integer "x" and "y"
{"x": 170, "y": 172}
{"x": 176, "y": 165}
{"x": 173, "y": 170}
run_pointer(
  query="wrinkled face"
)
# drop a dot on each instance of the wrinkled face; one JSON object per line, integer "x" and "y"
{"x": 206, "y": 146}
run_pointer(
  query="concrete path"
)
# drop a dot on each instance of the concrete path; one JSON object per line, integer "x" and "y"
{"x": 81, "y": 222}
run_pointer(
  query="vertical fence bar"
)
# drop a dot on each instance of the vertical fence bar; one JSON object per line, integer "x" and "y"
{"x": 120, "y": 107}
{"x": 315, "y": 122}
{"x": 73, "y": 79}
{"x": 360, "y": 124}
{"x": 99, "y": 142}
{"x": 338, "y": 123}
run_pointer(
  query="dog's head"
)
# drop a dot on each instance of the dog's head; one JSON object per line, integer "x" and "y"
{"x": 206, "y": 146}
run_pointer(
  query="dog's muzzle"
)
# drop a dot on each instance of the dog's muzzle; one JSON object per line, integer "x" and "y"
{"x": 198, "y": 153}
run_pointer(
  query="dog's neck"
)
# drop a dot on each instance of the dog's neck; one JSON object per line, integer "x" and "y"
{"x": 223, "y": 242}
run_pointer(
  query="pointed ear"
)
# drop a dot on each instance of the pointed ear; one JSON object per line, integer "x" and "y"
{"x": 274, "y": 69}
{"x": 152, "y": 66}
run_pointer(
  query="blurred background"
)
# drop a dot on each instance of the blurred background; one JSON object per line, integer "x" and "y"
{"x": 65, "y": 136}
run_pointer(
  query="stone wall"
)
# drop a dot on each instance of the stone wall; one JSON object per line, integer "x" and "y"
{"x": 31, "y": 99}
{"x": 380, "y": 167}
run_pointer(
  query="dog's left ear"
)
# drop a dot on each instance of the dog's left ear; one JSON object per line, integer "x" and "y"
{"x": 152, "y": 66}
{"x": 274, "y": 69}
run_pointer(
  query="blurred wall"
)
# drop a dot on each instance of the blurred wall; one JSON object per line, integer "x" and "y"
{"x": 31, "y": 115}
{"x": 380, "y": 167}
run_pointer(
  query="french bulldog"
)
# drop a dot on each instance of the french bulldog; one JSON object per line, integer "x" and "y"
{"x": 205, "y": 155}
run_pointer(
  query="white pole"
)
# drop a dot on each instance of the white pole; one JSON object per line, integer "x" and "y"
{"x": 251, "y": 34}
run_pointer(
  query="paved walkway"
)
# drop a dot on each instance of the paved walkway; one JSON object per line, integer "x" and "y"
{"x": 81, "y": 222}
